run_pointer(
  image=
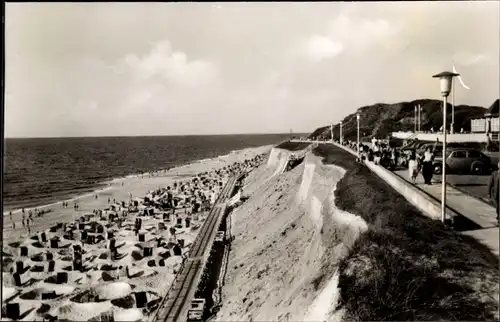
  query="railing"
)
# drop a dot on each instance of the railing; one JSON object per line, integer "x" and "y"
{"x": 455, "y": 138}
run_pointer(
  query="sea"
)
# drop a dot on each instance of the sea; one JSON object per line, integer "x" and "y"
{"x": 42, "y": 171}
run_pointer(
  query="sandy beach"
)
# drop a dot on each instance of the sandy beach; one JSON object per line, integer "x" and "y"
{"x": 81, "y": 265}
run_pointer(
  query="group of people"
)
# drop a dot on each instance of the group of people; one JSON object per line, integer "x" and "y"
{"x": 203, "y": 190}
{"x": 424, "y": 163}
{"x": 380, "y": 153}
{"x": 383, "y": 154}
{"x": 65, "y": 204}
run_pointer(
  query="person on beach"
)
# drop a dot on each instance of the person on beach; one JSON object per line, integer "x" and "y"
{"x": 10, "y": 215}
{"x": 493, "y": 189}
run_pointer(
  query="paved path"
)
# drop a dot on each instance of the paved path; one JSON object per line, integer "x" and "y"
{"x": 466, "y": 205}
{"x": 178, "y": 300}
{"x": 473, "y": 208}
{"x": 487, "y": 237}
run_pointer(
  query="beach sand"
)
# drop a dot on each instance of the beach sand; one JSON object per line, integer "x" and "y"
{"x": 138, "y": 186}
{"x": 130, "y": 285}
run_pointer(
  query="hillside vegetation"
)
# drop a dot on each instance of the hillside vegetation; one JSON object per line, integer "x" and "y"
{"x": 382, "y": 119}
{"x": 406, "y": 266}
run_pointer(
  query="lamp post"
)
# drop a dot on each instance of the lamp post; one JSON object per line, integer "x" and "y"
{"x": 341, "y": 138}
{"x": 357, "y": 118}
{"x": 415, "y": 119}
{"x": 453, "y": 111}
{"x": 331, "y": 131}
{"x": 419, "y": 117}
{"x": 445, "y": 81}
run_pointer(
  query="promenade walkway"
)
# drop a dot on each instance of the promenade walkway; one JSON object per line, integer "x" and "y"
{"x": 466, "y": 205}
{"x": 472, "y": 208}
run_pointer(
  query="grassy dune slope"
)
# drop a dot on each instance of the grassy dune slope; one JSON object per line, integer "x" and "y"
{"x": 293, "y": 146}
{"x": 407, "y": 266}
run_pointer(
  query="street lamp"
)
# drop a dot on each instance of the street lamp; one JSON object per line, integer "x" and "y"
{"x": 331, "y": 131}
{"x": 357, "y": 118}
{"x": 341, "y": 138}
{"x": 445, "y": 81}
{"x": 415, "y": 119}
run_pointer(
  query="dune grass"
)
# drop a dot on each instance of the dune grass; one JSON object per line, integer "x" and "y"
{"x": 293, "y": 146}
{"x": 407, "y": 266}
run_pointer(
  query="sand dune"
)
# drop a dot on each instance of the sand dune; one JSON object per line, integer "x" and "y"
{"x": 288, "y": 237}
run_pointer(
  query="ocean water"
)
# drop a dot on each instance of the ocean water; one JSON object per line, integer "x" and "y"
{"x": 46, "y": 170}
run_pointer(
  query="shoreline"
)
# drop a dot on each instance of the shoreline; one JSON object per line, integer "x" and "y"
{"x": 109, "y": 183}
{"x": 142, "y": 265}
{"x": 119, "y": 188}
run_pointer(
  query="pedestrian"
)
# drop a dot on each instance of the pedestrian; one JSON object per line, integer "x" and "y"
{"x": 413, "y": 167}
{"x": 427, "y": 169}
{"x": 493, "y": 189}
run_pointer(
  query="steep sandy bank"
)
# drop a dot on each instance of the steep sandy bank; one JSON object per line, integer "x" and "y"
{"x": 288, "y": 238}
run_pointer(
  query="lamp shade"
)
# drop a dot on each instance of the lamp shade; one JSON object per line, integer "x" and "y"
{"x": 445, "y": 81}
{"x": 357, "y": 117}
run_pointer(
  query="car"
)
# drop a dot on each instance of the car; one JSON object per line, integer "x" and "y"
{"x": 412, "y": 146}
{"x": 463, "y": 161}
{"x": 436, "y": 147}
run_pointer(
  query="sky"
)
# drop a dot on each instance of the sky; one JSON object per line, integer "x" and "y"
{"x": 121, "y": 69}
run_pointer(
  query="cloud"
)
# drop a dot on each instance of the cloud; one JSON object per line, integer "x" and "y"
{"x": 321, "y": 47}
{"x": 359, "y": 33}
{"x": 173, "y": 66}
{"x": 467, "y": 58}
{"x": 250, "y": 67}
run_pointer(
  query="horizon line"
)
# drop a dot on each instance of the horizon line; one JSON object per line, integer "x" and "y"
{"x": 129, "y": 136}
